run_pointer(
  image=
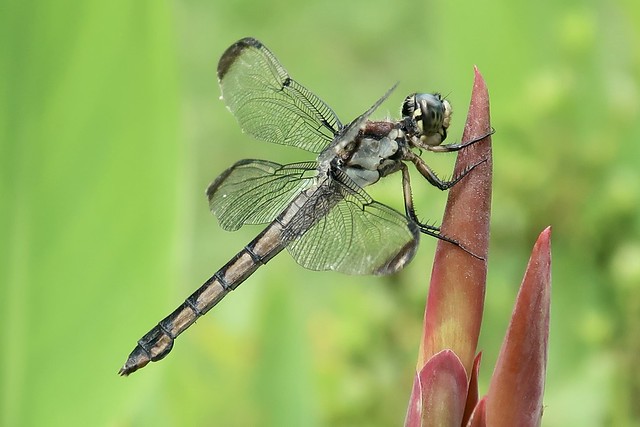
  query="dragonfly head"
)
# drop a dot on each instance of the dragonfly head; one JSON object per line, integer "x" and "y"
{"x": 429, "y": 115}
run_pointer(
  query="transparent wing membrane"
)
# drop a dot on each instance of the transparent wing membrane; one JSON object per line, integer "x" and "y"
{"x": 256, "y": 191}
{"x": 350, "y": 232}
{"x": 268, "y": 104}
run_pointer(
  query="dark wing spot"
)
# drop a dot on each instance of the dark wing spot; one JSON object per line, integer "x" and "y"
{"x": 233, "y": 52}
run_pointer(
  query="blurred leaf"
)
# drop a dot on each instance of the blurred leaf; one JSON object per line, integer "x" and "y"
{"x": 89, "y": 127}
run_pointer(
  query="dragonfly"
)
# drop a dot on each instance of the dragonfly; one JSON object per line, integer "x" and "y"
{"x": 317, "y": 210}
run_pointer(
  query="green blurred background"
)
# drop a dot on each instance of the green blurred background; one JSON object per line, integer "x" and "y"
{"x": 111, "y": 129}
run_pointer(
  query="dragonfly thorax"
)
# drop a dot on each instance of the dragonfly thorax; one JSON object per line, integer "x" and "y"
{"x": 374, "y": 158}
{"x": 427, "y": 117}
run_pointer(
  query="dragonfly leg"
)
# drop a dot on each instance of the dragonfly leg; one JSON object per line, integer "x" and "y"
{"x": 447, "y": 148}
{"x": 426, "y": 171}
{"x": 408, "y": 197}
{"x": 430, "y": 230}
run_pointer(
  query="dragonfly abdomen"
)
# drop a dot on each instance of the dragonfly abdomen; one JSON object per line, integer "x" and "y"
{"x": 158, "y": 342}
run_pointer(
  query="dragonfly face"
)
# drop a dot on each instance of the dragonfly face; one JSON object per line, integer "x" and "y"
{"x": 317, "y": 210}
{"x": 429, "y": 115}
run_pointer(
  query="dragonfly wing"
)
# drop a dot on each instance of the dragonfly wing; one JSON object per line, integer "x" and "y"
{"x": 349, "y": 132}
{"x": 350, "y": 233}
{"x": 268, "y": 103}
{"x": 256, "y": 191}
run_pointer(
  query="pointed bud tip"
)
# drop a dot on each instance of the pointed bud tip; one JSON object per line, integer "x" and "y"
{"x": 542, "y": 248}
{"x": 546, "y": 234}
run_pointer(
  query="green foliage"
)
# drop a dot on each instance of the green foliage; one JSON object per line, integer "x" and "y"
{"x": 111, "y": 128}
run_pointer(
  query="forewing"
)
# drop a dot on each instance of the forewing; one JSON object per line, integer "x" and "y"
{"x": 350, "y": 131}
{"x": 256, "y": 191}
{"x": 268, "y": 104}
{"x": 352, "y": 233}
